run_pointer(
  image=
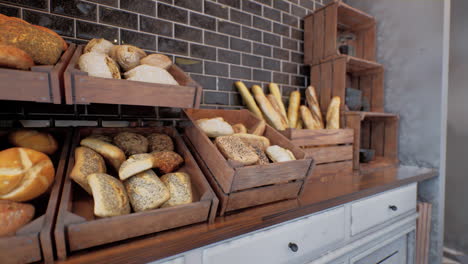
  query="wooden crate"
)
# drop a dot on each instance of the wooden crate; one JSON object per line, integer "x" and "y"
{"x": 83, "y": 89}
{"x": 43, "y": 83}
{"x": 33, "y": 242}
{"x": 423, "y": 232}
{"x": 241, "y": 187}
{"x": 377, "y": 131}
{"x": 322, "y": 28}
{"x": 331, "y": 77}
{"x": 77, "y": 228}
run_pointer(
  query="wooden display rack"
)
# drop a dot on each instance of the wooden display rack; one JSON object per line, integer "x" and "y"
{"x": 321, "y": 30}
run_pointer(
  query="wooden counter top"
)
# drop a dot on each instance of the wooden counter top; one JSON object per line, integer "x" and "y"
{"x": 319, "y": 194}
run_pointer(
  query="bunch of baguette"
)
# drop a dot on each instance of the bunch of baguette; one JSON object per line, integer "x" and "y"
{"x": 272, "y": 109}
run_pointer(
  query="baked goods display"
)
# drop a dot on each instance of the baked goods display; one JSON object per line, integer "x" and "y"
{"x": 146, "y": 191}
{"x": 279, "y": 154}
{"x": 233, "y": 148}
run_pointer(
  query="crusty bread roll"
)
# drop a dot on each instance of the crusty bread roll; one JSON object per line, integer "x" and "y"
{"x": 239, "y": 128}
{"x": 180, "y": 188}
{"x": 99, "y": 46}
{"x": 127, "y": 56}
{"x": 166, "y": 161}
{"x": 53, "y": 33}
{"x": 102, "y": 137}
{"x": 131, "y": 143}
{"x": 254, "y": 140}
{"x": 24, "y": 174}
{"x": 151, "y": 74}
{"x": 109, "y": 195}
{"x": 333, "y": 113}
{"x": 157, "y": 60}
{"x": 87, "y": 162}
{"x": 33, "y": 139}
{"x": 146, "y": 191}
{"x": 112, "y": 154}
{"x": 233, "y": 148}
{"x": 135, "y": 164}
{"x": 308, "y": 119}
{"x": 312, "y": 102}
{"x": 248, "y": 99}
{"x": 160, "y": 142}
{"x": 99, "y": 65}
{"x": 259, "y": 129}
{"x": 215, "y": 127}
{"x": 277, "y": 108}
{"x": 13, "y": 57}
{"x": 275, "y": 91}
{"x": 262, "y": 157}
{"x": 271, "y": 116}
{"x": 279, "y": 154}
{"x": 13, "y": 216}
{"x": 293, "y": 108}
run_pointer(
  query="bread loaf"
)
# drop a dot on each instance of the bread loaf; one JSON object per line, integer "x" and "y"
{"x": 308, "y": 119}
{"x": 259, "y": 129}
{"x": 233, "y": 148}
{"x": 239, "y": 128}
{"x": 112, "y": 154}
{"x": 333, "y": 113}
{"x": 215, "y": 127}
{"x": 131, "y": 143}
{"x": 275, "y": 91}
{"x": 180, "y": 188}
{"x": 102, "y": 137}
{"x": 254, "y": 140}
{"x": 24, "y": 174}
{"x": 262, "y": 157}
{"x": 127, "y": 56}
{"x": 53, "y": 33}
{"x": 146, "y": 191}
{"x": 293, "y": 108}
{"x": 13, "y": 57}
{"x": 87, "y": 162}
{"x": 160, "y": 142}
{"x": 13, "y": 216}
{"x": 279, "y": 154}
{"x": 248, "y": 99}
{"x": 151, "y": 74}
{"x": 135, "y": 164}
{"x": 99, "y": 65}
{"x": 312, "y": 102}
{"x": 157, "y": 60}
{"x": 109, "y": 195}
{"x": 271, "y": 116}
{"x": 277, "y": 108}
{"x": 33, "y": 139}
{"x": 99, "y": 46}
{"x": 166, "y": 161}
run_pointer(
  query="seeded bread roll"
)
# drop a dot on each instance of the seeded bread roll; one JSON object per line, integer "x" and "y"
{"x": 215, "y": 127}
{"x": 233, "y": 148}
{"x": 33, "y": 139}
{"x": 180, "y": 188}
{"x": 262, "y": 157}
{"x": 146, "y": 191}
{"x": 166, "y": 161}
{"x": 99, "y": 46}
{"x": 160, "y": 142}
{"x": 110, "y": 197}
{"x": 279, "y": 154}
{"x": 87, "y": 162}
{"x": 135, "y": 164}
{"x": 112, "y": 154}
{"x": 254, "y": 140}
{"x": 131, "y": 143}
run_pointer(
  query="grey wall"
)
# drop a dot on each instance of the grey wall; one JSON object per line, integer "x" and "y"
{"x": 456, "y": 215}
{"x": 410, "y": 46}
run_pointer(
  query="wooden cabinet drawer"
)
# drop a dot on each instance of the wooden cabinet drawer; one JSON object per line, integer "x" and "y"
{"x": 277, "y": 245}
{"x": 382, "y": 207}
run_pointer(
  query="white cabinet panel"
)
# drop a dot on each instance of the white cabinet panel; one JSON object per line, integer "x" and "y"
{"x": 391, "y": 253}
{"x": 179, "y": 260}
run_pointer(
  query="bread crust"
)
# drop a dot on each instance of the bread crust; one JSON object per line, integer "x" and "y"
{"x": 233, "y": 148}
{"x": 158, "y": 60}
{"x": 131, "y": 143}
{"x": 13, "y": 57}
{"x": 166, "y": 161}
{"x": 160, "y": 142}
{"x": 87, "y": 162}
{"x": 33, "y": 139}
{"x": 110, "y": 197}
{"x": 13, "y": 216}
{"x": 180, "y": 188}
{"x": 111, "y": 154}
{"x": 146, "y": 191}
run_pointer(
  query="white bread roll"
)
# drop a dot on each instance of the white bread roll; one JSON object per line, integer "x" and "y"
{"x": 87, "y": 162}
{"x": 42, "y": 142}
{"x": 99, "y": 46}
{"x": 215, "y": 127}
{"x": 109, "y": 195}
{"x": 157, "y": 60}
{"x": 151, "y": 74}
{"x": 112, "y": 154}
{"x": 146, "y": 191}
{"x": 279, "y": 154}
{"x": 180, "y": 188}
{"x": 99, "y": 65}
{"x": 127, "y": 56}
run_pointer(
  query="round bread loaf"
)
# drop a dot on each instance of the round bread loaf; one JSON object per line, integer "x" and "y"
{"x": 99, "y": 65}
{"x": 127, "y": 56}
{"x": 166, "y": 161}
{"x": 109, "y": 195}
{"x": 13, "y": 216}
{"x": 146, "y": 191}
{"x": 160, "y": 142}
{"x": 99, "y": 46}
{"x": 34, "y": 139}
{"x": 131, "y": 143}
{"x": 102, "y": 137}
{"x": 180, "y": 188}
{"x": 24, "y": 174}
{"x": 87, "y": 162}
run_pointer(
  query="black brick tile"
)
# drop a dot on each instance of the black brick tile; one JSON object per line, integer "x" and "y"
{"x": 241, "y": 17}
{"x": 207, "y": 82}
{"x": 265, "y": 2}
{"x": 287, "y": 90}
{"x": 188, "y": 33}
{"x": 263, "y": 76}
{"x": 281, "y": 29}
{"x": 9, "y": 11}
{"x": 261, "y": 23}
{"x": 172, "y": 13}
{"x": 146, "y": 7}
{"x": 252, "y": 34}
{"x": 281, "y": 54}
{"x": 297, "y": 34}
{"x": 102, "y": 109}
{"x": 271, "y": 13}
{"x": 282, "y": 5}
{"x": 271, "y": 39}
{"x": 216, "y": 10}
{"x": 261, "y": 49}
{"x": 113, "y": 3}
{"x": 298, "y": 80}
{"x": 202, "y": 52}
{"x": 271, "y": 64}
{"x": 218, "y": 69}
{"x": 307, "y": 4}
{"x": 251, "y": 7}
{"x": 304, "y": 69}
{"x": 301, "y": 46}
{"x": 229, "y": 28}
{"x": 202, "y": 21}
{"x": 169, "y": 112}
{"x": 189, "y": 64}
{"x": 297, "y": 57}
{"x": 144, "y": 41}
{"x": 252, "y": 61}
{"x": 155, "y": 26}
{"x": 298, "y": 11}
{"x": 225, "y": 84}
{"x": 61, "y": 25}
{"x": 40, "y": 4}
{"x": 235, "y": 99}
{"x": 241, "y": 72}
{"x": 73, "y": 8}
{"x": 139, "y": 110}
{"x": 172, "y": 46}
{"x": 289, "y": 67}
{"x": 241, "y": 45}
{"x": 87, "y": 30}
{"x": 118, "y": 18}
{"x": 294, "y": 1}
{"x": 233, "y": 3}
{"x": 280, "y": 78}
{"x": 217, "y": 40}
{"x": 228, "y": 56}
{"x": 290, "y": 20}
{"x": 216, "y": 98}
{"x": 167, "y": 1}
{"x": 290, "y": 44}
{"x": 190, "y": 4}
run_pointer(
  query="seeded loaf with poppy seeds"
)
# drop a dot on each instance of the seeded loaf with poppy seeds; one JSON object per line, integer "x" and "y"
{"x": 87, "y": 162}
{"x": 131, "y": 143}
{"x": 233, "y": 148}
{"x": 111, "y": 154}
{"x": 180, "y": 188}
{"x": 146, "y": 191}
{"x": 160, "y": 142}
{"x": 110, "y": 197}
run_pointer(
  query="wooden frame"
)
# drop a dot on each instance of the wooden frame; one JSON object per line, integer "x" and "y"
{"x": 43, "y": 83}
{"x": 321, "y": 30}
{"x": 83, "y": 89}
{"x": 76, "y": 226}
{"x": 33, "y": 242}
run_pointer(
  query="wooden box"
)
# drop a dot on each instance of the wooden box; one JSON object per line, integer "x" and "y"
{"x": 33, "y": 242}
{"x": 43, "y": 83}
{"x": 323, "y": 28}
{"x": 376, "y": 131}
{"x": 77, "y": 228}
{"x": 83, "y": 89}
{"x": 242, "y": 187}
{"x": 331, "y": 77}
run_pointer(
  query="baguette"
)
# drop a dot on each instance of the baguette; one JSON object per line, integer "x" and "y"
{"x": 312, "y": 102}
{"x": 253, "y": 140}
{"x": 273, "y": 117}
{"x": 239, "y": 128}
{"x": 259, "y": 129}
{"x": 274, "y": 90}
{"x": 300, "y": 124}
{"x": 293, "y": 108}
{"x": 112, "y": 154}
{"x": 333, "y": 113}
{"x": 248, "y": 99}
{"x": 277, "y": 108}
{"x": 308, "y": 119}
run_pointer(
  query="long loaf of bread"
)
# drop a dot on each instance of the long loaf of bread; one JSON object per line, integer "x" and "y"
{"x": 275, "y": 91}
{"x": 277, "y": 108}
{"x": 293, "y": 108}
{"x": 273, "y": 117}
{"x": 308, "y": 119}
{"x": 312, "y": 102}
{"x": 333, "y": 113}
{"x": 248, "y": 99}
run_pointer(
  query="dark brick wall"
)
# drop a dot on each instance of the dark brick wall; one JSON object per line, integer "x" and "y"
{"x": 217, "y": 42}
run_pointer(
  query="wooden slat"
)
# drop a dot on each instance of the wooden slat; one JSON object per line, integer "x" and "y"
{"x": 326, "y": 75}
{"x": 330, "y": 154}
{"x": 365, "y": 134}
{"x": 365, "y": 85}
{"x": 331, "y": 169}
{"x": 315, "y": 80}
{"x": 319, "y": 28}
{"x": 308, "y": 39}
{"x": 319, "y": 137}
{"x": 377, "y": 100}
{"x": 369, "y": 43}
{"x": 391, "y": 139}
{"x": 339, "y": 80}
{"x": 423, "y": 230}
{"x": 378, "y": 137}
{"x": 352, "y": 17}
{"x": 354, "y": 122}
{"x": 331, "y": 21}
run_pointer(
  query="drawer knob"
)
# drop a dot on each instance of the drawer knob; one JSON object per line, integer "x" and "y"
{"x": 393, "y": 207}
{"x": 293, "y": 247}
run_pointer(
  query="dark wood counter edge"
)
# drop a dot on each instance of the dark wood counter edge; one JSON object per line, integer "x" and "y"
{"x": 188, "y": 238}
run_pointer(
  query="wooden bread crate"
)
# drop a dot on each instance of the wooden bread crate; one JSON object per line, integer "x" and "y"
{"x": 83, "y": 89}
{"x": 43, "y": 83}
{"x": 242, "y": 187}
{"x": 323, "y": 27}
{"x": 77, "y": 228}
{"x": 33, "y": 242}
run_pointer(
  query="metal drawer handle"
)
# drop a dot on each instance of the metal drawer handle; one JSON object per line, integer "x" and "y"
{"x": 293, "y": 247}
{"x": 393, "y": 207}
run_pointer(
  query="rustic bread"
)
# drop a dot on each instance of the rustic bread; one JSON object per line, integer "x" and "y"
{"x": 87, "y": 162}
{"x": 24, "y": 174}
{"x": 293, "y": 108}
{"x": 262, "y": 157}
{"x": 166, "y": 161}
{"x": 279, "y": 154}
{"x": 333, "y": 113}
{"x": 127, "y": 56}
{"x": 146, "y": 191}
{"x": 131, "y": 143}
{"x": 309, "y": 121}
{"x": 99, "y": 65}
{"x": 109, "y": 195}
{"x": 135, "y": 164}
{"x": 312, "y": 102}
{"x": 160, "y": 142}
{"x": 53, "y": 33}
{"x": 33, "y": 139}
{"x": 157, "y": 60}
{"x": 254, "y": 140}
{"x": 270, "y": 114}
{"x": 215, "y": 127}
{"x": 151, "y": 74}
{"x": 13, "y": 216}
{"x": 13, "y": 57}
{"x": 259, "y": 129}
{"x": 239, "y": 128}
{"x": 180, "y": 188}
{"x": 274, "y": 103}
{"x": 102, "y": 137}
{"x": 248, "y": 99}
{"x": 233, "y": 148}
{"x": 112, "y": 154}
{"x": 99, "y": 46}
{"x": 275, "y": 91}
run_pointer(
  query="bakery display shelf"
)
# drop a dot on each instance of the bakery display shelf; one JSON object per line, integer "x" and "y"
{"x": 83, "y": 89}
{"x": 33, "y": 242}
{"x": 246, "y": 186}
{"x": 77, "y": 228}
{"x": 43, "y": 83}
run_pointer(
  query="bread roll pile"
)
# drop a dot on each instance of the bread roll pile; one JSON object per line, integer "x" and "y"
{"x": 103, "y": 59}
{"x": 136, "y": 161}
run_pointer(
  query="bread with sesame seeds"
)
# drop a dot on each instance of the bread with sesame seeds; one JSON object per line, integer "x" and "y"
{"x": 233, "y": 148}
{"x": 110, "y": 197}
{"x": 87, "y": 162}
{"x": 146, "y": 191}
{"x": 180, "y": 188}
